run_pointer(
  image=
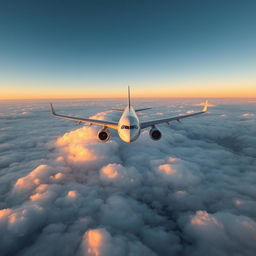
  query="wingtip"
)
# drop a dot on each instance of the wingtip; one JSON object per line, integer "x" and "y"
{"x": 205, "y": 106}
{"x": 52, "y": 109}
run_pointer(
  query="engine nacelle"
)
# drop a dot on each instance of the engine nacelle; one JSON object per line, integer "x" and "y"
{"x": 104, "y": 135}
{"x": 155, "y": 134}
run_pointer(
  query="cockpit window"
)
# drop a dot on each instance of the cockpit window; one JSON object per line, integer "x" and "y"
{"x": 129, "y": 127}
{"x": 125, "y": 127}
{"x": 133, "y": 127}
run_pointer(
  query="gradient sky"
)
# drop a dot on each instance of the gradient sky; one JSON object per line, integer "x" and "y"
{"x": 51, "y": 49}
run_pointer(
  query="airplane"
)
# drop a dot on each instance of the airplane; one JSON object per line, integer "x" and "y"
{"x": 129, "y": 126}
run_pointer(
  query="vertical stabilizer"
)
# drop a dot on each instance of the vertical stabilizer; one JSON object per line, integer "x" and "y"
{"x": 129, "y": 97}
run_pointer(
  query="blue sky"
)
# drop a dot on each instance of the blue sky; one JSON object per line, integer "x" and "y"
{"x": 88, "y": 45}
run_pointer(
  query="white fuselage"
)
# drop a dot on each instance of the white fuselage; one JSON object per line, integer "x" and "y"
{"x": 129, "y": 125}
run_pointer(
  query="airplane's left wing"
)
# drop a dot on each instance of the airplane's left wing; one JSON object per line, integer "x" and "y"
{"x": 177, "y": 118}
{"x": 108, "y": 124}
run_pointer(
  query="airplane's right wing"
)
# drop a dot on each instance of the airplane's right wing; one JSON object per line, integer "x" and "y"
{"x": 177, "y": 118}
{"x": 108, "y": 124}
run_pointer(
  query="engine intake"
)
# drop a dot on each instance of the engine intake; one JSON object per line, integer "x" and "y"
{"x": 104, "y": 135}
{"x": 155, "y": 134}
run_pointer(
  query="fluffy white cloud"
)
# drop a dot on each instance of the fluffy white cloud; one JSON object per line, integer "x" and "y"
{"x": 222, "y": 232}
{"x": 65, "y": 193}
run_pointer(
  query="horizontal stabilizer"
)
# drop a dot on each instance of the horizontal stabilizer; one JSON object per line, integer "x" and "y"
{"x": 117, "y": 109}
{"x": 136, "y": 110}
{"x": 141, "y": 109}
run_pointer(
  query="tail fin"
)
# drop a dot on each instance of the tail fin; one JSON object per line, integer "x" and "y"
{"x": 129, "y": 97}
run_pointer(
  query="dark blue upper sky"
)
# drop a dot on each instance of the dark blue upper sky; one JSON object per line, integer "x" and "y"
{"x": 144, "y": 43}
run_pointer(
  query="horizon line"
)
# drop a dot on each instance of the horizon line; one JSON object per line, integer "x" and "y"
{"x": 80, "y": 98}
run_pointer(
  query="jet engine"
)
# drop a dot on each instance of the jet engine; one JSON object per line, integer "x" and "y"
{"x": 104, "y": 134}
{"x": 155, "y": 134}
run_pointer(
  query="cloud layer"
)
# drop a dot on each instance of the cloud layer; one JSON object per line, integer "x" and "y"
{"x": 191, "y": 193}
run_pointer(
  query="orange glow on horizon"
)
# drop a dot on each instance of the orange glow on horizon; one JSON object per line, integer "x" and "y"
{"x": 150, "y": 91}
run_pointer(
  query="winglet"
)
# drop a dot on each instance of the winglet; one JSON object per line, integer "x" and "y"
{"x": 52, "y": 109}
{"x": 205, "y": 106}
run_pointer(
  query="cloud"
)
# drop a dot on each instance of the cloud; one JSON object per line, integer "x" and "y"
{"x": 98, "y": 242}
{"x": 247, "y": 115}
{"x": 222, "y": 232}
{"x": 65, "y": 193}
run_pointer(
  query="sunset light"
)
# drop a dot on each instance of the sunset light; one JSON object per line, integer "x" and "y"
{"x": 94, "y": 239}
{"x": 128, "y": 128}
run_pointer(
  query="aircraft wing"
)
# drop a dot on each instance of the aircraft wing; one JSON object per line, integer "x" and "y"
{"x": 108, "y": 124}
{"x": 177, "y": 118}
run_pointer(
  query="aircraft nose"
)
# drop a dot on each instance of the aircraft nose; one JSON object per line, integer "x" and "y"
{"x": 127, "y": 137}
{"x": 133, "y": 136}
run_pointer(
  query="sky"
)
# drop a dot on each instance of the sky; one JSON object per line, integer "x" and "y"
{"x": 192, "y": 193}
{"x": 56, "y": 49}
